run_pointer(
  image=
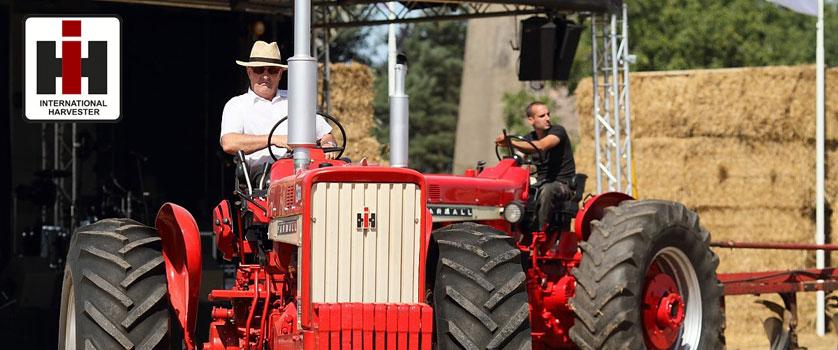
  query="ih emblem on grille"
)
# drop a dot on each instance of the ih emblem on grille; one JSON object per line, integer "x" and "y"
{"x": 365, "y": 221}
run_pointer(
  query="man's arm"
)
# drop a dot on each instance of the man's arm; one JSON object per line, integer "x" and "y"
{"x": 544, "y": 144}
{"x": 233, "y": 142}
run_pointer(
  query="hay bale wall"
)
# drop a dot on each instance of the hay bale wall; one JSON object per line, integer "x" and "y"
{"x": 737, "y": 146}
{"x": 351, "y": 95}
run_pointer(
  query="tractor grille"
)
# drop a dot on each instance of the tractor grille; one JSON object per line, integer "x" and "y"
{"x": 351, "y": 263}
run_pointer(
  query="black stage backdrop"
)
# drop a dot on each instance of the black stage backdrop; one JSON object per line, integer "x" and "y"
{"x": 178, "y": 72}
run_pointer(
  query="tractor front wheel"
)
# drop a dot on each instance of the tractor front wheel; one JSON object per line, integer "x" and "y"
{"x": 478, "y": 289}
{"x": 647, "y": 279}
{"x": 114, "y": 290}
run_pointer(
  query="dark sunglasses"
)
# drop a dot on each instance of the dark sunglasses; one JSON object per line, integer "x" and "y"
{"x": 260, "y": 70}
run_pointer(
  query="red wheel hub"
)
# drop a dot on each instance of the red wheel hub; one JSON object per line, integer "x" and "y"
{"x": 663, "y": 309}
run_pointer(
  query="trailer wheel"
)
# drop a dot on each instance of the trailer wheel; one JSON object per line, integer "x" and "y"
{"x": 478, "y": 289}
{"x": 114, "y": 290}
{"x": 647, "y": 279}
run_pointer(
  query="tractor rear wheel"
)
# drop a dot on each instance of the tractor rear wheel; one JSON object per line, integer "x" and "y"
{"x": 114, "y": 289}
{"x": 647, "y": 279}
{"x": 478, "y": 289}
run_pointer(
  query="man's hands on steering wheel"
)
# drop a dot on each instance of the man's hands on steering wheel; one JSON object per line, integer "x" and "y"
{"x": 282, "y": 140}
{"x": 535, "y": 157}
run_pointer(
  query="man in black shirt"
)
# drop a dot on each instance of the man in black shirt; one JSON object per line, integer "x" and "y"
{"x": 556, "y": 169}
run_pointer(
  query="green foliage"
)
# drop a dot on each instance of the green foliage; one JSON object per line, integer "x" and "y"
{"x": 514, "y": 110}
{"x": 695, "y": 34}
{"x": 348, "y": 44}
{"x": 435, "y": 64}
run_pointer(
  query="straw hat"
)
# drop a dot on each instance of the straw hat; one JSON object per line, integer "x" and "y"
{"x": 263, "y": 55}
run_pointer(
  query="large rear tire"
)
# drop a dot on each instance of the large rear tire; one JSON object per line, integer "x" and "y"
{"x": 647, "y": 279}
{"x": 114, "y": 289}
{"x": 479, "y": 290}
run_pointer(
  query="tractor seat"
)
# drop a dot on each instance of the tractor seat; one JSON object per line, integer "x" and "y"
{"x": 567, "y": 209}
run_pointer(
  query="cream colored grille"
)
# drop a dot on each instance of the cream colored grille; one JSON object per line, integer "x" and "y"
{"x": 379, "y": 265}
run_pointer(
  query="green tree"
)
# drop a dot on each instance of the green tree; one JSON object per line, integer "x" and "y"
{"x": 435, "y": 65}
{"x": 349, "y": 44}
{"x": 695, "y": 34}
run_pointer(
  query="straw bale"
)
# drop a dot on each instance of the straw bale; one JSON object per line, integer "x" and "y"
{"x": 719, "y": 172}
{"x": 765, "y": 103}
{"x": 737, "y": 146}
{"x": 351, "y": 96}
{"x": 366, "y": 147}
{"x": 759, "y": 225}
{"x": 744, "y": 319}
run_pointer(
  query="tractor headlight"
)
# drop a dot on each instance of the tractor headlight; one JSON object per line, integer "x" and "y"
{"x": 513, "y": 212}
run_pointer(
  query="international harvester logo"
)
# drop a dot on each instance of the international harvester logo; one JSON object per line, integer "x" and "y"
{"x": 72, "y": 68}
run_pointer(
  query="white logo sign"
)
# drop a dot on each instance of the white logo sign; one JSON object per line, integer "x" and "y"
{"x": 72, "y": 68}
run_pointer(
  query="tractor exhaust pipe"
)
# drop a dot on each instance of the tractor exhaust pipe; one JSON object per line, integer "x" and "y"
{"x": 302, "y": 87}
{"x": 399, "y": 115}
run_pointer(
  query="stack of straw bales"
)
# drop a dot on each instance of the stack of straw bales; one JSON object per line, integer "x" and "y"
{"x": 737, "y": 146}
{"x": 352, "y": 94}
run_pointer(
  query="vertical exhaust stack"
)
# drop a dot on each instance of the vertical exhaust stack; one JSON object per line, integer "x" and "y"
{"x": 399, "y": 115}
{"x": 302, "y": 87}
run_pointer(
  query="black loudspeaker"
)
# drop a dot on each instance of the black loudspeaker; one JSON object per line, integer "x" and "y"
{"x": 547, "y": 48}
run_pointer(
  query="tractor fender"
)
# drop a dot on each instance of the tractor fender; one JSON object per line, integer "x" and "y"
{"x": 594, "y": 209}
{"x": 182, "y": 256}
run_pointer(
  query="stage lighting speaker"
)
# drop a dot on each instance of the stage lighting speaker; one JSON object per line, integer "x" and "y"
{"x": 547, "y": 48}
{"x": 569, "y": 43}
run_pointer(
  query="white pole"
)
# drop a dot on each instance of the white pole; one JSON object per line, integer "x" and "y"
{"x": 819, "y": 216}
{"x": 391, "y": 48}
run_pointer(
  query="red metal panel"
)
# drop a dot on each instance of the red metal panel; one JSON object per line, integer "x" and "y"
{"x": 594, "y": 209}
{"x": 357, "y": 326}
{"x": 334, "y": 330}
{"x": 346, "y": 326}
{"x": 403, "y": 325}
{"x": 380, "y": 326}
{"x": 305, "y": 266}
{"x": 413, "y": 326}
{"x": 223, "y": 229}
{"x": 392, "y": 326}
{"x": 427, "y": 326}
{"x": 182, "y": 256}
{"x": 324, "y": 325}
{"x": 780, "y": 246}
{"x": 779, "y": 281}
{"x": 369, "y": 319}
{"x": 354, "y": 173}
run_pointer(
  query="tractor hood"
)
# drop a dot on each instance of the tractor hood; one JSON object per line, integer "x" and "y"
{"x": 495, "y": 186}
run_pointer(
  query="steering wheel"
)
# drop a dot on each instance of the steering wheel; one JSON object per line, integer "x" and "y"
{"x": 325, "y": 149}
{"x": 511, "y": 149}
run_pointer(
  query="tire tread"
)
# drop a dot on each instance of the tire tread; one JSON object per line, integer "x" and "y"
{"x": 478, "y": 296}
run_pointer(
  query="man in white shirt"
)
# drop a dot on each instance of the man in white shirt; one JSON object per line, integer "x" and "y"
{"x": 248, "y": 118}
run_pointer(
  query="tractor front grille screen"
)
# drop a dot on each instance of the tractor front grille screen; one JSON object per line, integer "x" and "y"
{"x": 365, "y": 242}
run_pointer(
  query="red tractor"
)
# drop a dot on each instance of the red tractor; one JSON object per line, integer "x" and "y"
{"x": 351, "y": 255}
{"x": 335, "y": 255}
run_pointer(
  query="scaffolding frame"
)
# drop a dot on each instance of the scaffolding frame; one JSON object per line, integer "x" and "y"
{"x": 612, "y": 114}
{"x": 59, "y": 154}
{"x": 337, "y": 14}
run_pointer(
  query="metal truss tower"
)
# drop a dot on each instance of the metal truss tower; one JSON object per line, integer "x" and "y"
{"x": 58, "y": 158}
{"x": 612, "y": 115}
